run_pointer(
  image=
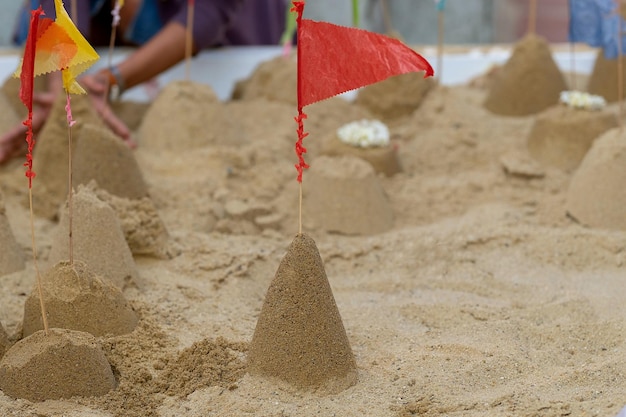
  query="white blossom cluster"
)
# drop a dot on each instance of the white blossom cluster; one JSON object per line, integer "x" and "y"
{"x": 581, "y": 100}
{"x": 364, "y": 133}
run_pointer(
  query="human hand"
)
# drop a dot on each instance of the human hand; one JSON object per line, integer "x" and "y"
{"x": 14, "y": 141}
{"x": 97, "y": 88}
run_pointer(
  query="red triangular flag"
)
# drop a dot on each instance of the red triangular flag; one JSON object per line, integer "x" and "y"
{"x": 335, "y": 59}
{"x": 27, "y": 79}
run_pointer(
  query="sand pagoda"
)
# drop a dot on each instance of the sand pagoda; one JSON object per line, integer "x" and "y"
{"x": 597, "y": 196}
{"x": 299, "y": 337}
{"x": 528, "y": 83}
{"x": 603, "y": 79}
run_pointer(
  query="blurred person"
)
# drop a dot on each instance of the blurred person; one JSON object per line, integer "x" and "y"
{"x": 158, "y": 29}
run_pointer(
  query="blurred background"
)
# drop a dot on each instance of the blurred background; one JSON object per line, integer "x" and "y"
{"x": 467, "y": 21}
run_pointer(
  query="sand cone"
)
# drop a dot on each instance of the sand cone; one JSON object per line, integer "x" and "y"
{"x": 603, "y": 79}
{"x": 528, "y": 83}
{"x": 299, "y": 337}
{"x": 98, "y": 240}
{"x": 197, "y": 119}
{"x": 4, "y": 341}
{"x": 101, "y": 156}
{"x": 11, "y": 255}
{"x": 345, "y": 196}
{"x": 597, "y": 196}
{"x": 561, "y": 136}
{"x": 62, "y": 364}
{"x": 397, "y": 96}
{"x": 51, "y": 154}
{"x": 273, "y": 80}
{"x": 78, "y": 299}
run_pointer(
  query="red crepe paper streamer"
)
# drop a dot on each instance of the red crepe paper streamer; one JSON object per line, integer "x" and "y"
{"x": 27, "y": 79}
{"x": 334, "y": 59}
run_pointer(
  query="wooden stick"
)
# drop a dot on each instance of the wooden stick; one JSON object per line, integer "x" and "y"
{"x": 532, "y": 17}
{"x": 70, "y": 203}
{"x": 572, "y": 54}
{"x": 74, "y": 11}
{"x": 440, "y": 34}
{"x": 300, "y": 211}
{"x": 189, "y": 39}
{"x": 386, "y": 16}
{"x": 620, "y": 74}
{"x": 42, "y": 304}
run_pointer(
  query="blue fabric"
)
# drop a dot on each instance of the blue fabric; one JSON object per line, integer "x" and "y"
{"x": 596, "y": 23}
{"x": 441, "y": 5}
{"x": 146, "y": 24}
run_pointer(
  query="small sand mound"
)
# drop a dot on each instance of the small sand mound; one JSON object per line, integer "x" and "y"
{"x": 528, "y": 83}
{"x": 597, "y": 196}
{"x": 344, "y": 195}
{"x": 4, "y": 341}
{"x": 299, "y": 337}
{"x": 561, "y": 136}
{"x": 62, "y": 364}
{"x": 98, "y": 240}
{"x": 384, "y": 159}
{"x": 274, "y": 80}
{"x": 11, "y": 255}
{"x": 51, "y": 154}
{"x": 101, "y": 156}
{"x": 199, "y": 119}
{"x": 141, "y": 224}
{"x": 78, "y": 299}
{"x": 397, "y": 96}
{"x": 603, "y": 79}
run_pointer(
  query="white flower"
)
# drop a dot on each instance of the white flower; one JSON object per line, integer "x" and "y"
{"x": 364, "y": 133}
{"x": 580, "y": 100}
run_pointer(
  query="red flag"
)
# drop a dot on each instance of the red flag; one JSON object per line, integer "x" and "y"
{"x": 27, "y": 78}
{"x": 336, "y": 59}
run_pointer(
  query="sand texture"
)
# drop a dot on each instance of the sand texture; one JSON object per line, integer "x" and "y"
{"x": 529, "y": 81}
{"x": 274, "y": 80}
{"x": 561, "y": 136}
{"x": 11, "y": 254}
{"x": 4, "y": 341}
{"x": 482, "y": 299}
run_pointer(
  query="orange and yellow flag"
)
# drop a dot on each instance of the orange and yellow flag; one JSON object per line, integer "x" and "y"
{"x": 61, "y": 47}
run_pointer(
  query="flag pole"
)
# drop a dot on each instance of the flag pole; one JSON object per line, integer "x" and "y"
{"x": 440, "y": 34}
{"x": 620, "y": 70}
{"x": 532, "y": 17}
{"x": 189, "y": 39}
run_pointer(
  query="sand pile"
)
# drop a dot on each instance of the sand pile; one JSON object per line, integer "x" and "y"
{"x": 11, "y": 255}
{"x": 62, "y": 364}
{"x": 603, "y": 79}
{"x": 384, "y": 159}
{"x": 344, "y": 195}
{"x": 51, "y": 153}
{"x": 198, "y": 119}
{"x": 96, "y": 231}
{"x": 78, "y": 299}
{"x": 596, "y": 195}
{"x": 561, "y": 136}
{"x": 101, "y": 156}
{"x": 529, "y": 81}
{"x": 299, "y": 337}
{"x": 397, "y": 96}
{"x": 274, "y": 80}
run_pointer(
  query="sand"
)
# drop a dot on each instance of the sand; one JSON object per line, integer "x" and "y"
{"x": 484, "y": 298}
